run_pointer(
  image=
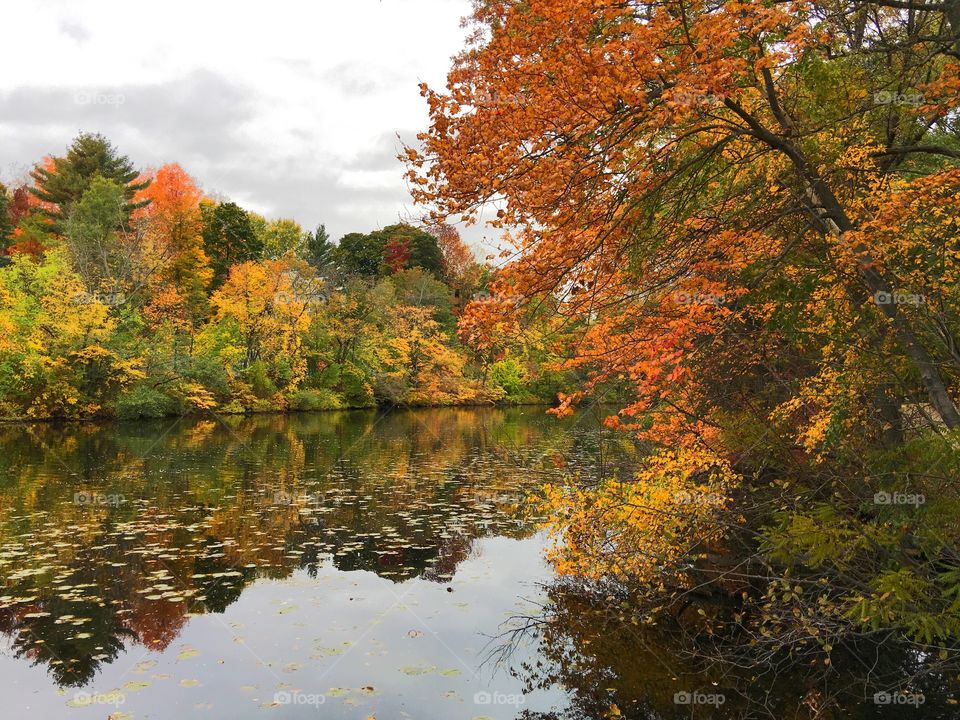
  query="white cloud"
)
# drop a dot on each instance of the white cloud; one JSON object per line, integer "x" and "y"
{"x": 289, "y": 107}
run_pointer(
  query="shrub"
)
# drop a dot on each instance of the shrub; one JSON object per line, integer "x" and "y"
{"x": 511, "y": 376}
{"x": 257, "y": 375}
{"x": 143, "y": 401}
{"x": 315, "y": 399}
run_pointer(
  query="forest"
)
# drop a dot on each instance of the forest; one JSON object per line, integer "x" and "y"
{"x": 129, "y": 293}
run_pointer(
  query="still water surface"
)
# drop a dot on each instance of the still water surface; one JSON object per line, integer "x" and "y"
{"x": 334, "y": 565}
{"x": 344, "y": 565}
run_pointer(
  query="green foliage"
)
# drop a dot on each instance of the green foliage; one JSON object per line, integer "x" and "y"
{"x": 278, "y": 237}
{"x": 6, "y": 225}
{"x": 92, "y": 229}
{"x": 359, "y": 254}
{"x": 418, "y": 288}
{"x": 509, "y": 375}
{"x": 370, "y": 255}
{"x": 229, "y": 238}
{"x": 315, "y": 399}
{"x": 355, "y": 387}
{"x": 319, "y": 250}
{"x": 422, "y": 247}
{"x": 143, "y": 401}
{"x": 90, "y": 156}
{"x": 258, "y": 376}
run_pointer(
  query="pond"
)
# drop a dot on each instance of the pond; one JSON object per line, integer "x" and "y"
{"x": 368, "y": 564}
{"x": 348, "y": 564}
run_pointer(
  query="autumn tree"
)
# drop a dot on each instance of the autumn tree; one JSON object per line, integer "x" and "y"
{"x": 20, "y": 204}
{"x": 269, "y": 304}
{"x": 396, "y": 254}
{"x": 174, "y": 229}
{"x": 57, "y": 354}
{"x": 64, "y": 180}
{"x": 749, "y": 211}
{"x": 418, "y": 365}
{"x": 697, "y": 105}
{"x": 460, "y": 268}
{"x": 278, "y": 237}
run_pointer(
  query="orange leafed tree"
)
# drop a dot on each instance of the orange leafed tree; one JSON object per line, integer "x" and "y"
{"x": 747, "y": 218}
{"x": 665, "y": 163}
{"x": 174, "y": 234}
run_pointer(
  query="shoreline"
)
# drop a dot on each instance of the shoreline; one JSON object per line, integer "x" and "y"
{"x": 104, "y": 419}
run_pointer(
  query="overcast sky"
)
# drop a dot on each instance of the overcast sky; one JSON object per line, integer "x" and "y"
{"x": 290, "y": 108}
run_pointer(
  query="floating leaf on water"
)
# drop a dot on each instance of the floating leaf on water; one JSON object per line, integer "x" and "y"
{"x": 418, "y": 669}
{"x": 330, "y": 651}
{"x": 187, "y": 653}
{"x": 189, "y": 683}
{"x": 135, "y": 685}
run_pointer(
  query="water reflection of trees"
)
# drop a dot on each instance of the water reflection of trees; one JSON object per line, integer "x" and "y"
{"x": 610, "y": 665}
{"x": 208, "y": 506}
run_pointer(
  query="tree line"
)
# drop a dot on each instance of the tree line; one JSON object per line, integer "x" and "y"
{"x": 131, "y": 293}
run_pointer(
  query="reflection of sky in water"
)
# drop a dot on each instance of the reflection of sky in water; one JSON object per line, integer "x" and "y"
{"x": 417, "y": 645}
{"x": 316, "y": 552}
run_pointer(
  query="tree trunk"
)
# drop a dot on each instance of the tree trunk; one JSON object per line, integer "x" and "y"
{"x": 835, "y": 220}
{"x": 878, "y": 285}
